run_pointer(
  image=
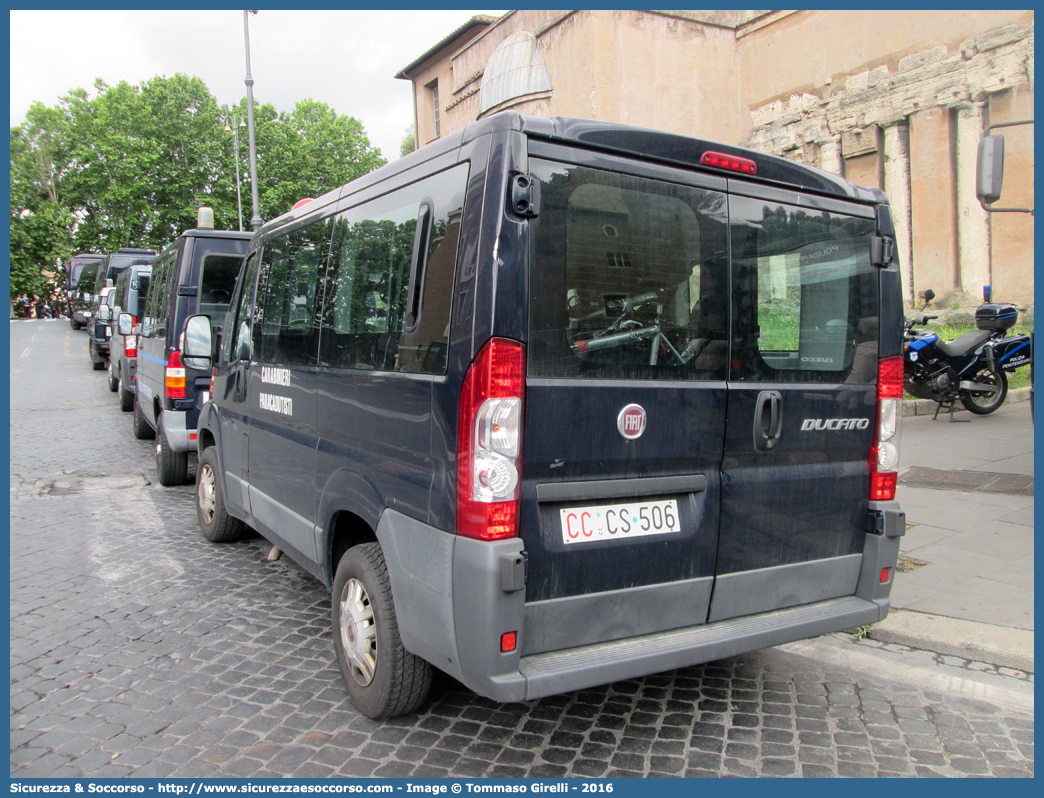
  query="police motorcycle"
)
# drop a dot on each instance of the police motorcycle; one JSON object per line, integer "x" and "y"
{"x": 971, "y": 368}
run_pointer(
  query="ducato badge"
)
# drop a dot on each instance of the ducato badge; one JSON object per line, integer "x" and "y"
{"x": 631, "y": 422}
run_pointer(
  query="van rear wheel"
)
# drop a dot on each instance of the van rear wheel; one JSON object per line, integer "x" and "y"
{"x": 172, "y": 466}
{"x": 114, "y": 381}
{"x": 142, "y": 430}
{"x": 382, "y": 677}
{"x": 126, "y": 400}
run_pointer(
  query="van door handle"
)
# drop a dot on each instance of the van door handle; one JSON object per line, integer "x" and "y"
{"x": 241, "y": 382}
{"x": 768, "y": 420}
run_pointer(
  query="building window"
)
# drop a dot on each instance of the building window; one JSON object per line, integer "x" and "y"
{"x": 434, "y": 86}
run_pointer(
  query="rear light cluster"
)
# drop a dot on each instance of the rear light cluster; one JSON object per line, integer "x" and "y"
{"x": 130, "y": 342}
{"x": 489, "y": 442}
{"x": 720, "y": 160}
{"x": 174, "y": 376}
{"x": 884, "y": 454}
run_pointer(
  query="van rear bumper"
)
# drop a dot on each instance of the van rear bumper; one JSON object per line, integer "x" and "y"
{"x": 455, "y": 598}
{"x": 601, "y": 663}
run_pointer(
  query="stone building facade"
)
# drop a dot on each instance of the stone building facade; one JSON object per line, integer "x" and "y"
{"x": 895, "y": 99}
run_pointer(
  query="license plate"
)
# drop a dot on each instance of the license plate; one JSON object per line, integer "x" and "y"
{"x": 206, "y": 397}
{"x": 108, "y": 331}
{"x": 617, "y": 521}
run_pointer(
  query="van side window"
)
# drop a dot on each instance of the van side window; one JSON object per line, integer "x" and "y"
{"x": 155, "y": 298}
{"x": 293, "y": 265}
{"x": 239, "y": 330}
{"x": 162, "y": 310}
{"x": 143, "y": 294}
{"x": 364, "y": 316}
{"x": 806, "y": 295}
{"x": 629, "y": 278}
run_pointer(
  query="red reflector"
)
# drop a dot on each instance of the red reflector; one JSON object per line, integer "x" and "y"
{"x": 720, "y": 160}
{"x": 882, "y": 485}
{"x": 884, "y": 575}
{"x": 192, "y": 436}
{"x": 890, "y": 377}
{"x": 507, "y": 641}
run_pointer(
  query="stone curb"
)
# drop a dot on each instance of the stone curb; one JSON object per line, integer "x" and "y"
{"x": 982, "y": 642}
{"x": 926, "y": 407}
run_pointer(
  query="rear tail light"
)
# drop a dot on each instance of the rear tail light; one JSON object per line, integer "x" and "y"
{"x": 489, "y": 442}
{"x": 175, "y": 376}
{"x": 211, "y": 388}
{"x": 884, "y": 454}
{"x": 130, "y": 346}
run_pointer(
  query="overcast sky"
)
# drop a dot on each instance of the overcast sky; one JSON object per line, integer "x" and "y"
{"x": 346, "y": 59}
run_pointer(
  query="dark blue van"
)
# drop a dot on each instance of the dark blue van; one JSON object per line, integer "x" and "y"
{"x": 552, "y": 403}
{"x": 195, "y": 274}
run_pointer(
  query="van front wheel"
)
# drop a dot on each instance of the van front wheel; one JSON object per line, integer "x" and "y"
{"x": 382, "y": 677}
{"x": 215, "y": 523}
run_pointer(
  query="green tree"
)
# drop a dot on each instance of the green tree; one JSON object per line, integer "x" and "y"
{"x": 308, "y": 152}
{"x": 40, "y": 226}
{"x": 409, "y": 142}
{"x": 145, "y": 158}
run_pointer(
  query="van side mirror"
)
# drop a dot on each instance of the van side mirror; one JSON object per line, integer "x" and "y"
{"x": 989, "y": 169}
{"x": 105, "y": 313}
{"x": 198, "y": 348}
{"x": 124, "y": 324}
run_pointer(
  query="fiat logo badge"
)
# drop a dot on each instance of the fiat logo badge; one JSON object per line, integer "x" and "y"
{"x": 631, "y": 422}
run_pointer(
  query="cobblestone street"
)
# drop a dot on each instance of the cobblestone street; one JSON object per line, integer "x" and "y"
{"x": 140, "y": 649}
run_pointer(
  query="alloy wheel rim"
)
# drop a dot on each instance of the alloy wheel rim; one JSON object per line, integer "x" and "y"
{"x": 207, "y": 493}
{"x": 358, "y": 632}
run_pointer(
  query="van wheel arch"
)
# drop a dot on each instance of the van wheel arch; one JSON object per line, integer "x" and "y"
{"x": 346, "y": 530}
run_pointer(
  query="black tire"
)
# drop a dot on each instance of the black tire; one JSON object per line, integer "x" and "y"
{"x": 142, "y": 430}
{"x": 982, "y": 403}
{"x": 172, "y": 466}
{"x": 75, "y": 325}
{"x": 96, "y": 363}
{"x": 215, "y": 523}
{"x": 126, "y": 400}
{"x": 383, "y": 678}
{"x": 114, "y": 381}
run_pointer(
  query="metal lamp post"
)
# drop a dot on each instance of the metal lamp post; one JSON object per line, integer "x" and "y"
{"x": 235, "y": 146}
{"x": 255, "y": 220}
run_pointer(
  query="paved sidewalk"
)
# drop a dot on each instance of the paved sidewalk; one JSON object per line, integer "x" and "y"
{"x": 965, "y": 585}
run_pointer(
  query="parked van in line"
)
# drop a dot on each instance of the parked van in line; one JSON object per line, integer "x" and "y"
{"x": 195, "y": 274}
{"x": 109, "y": 269}
{"x": 552, "y": 403}
{"x": 99, "y": 327}
{"x": 83, "y": 297}
{"x": 132, "y": 288}
{"x": 73, "y": 269}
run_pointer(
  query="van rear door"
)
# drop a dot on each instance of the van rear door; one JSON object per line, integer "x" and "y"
{"x": 801, "y": 401}
{"x": 625, "y": 398}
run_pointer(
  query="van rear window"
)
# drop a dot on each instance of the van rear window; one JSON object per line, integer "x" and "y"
{"x": 629, "y": 278}
{"x": 805, "y": 295}
{"x": 219, "y": 278}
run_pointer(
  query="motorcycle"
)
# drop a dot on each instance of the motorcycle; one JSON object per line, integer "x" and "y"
{"x": 971, "y": 368}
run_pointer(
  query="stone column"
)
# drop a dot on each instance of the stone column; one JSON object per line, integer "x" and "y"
{"x": 897, "y": 187}
{"x": 973, "y": 230}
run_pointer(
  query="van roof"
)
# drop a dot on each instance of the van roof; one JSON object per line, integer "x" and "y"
{"x": 674, "y": 148}
{"x": 204, "y": 232}
{"x": 668, "y": 148}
